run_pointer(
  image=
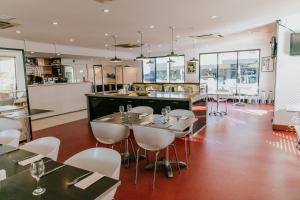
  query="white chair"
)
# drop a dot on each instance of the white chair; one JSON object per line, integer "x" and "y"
{"x": 111, "y": 134}
{"x": 47, "y": 146}
{"x": 6, "y": 124}
{"x": 102, "y": 160}
{"x": 185, "y": 134}
{"x": 10, "y": 137}
{"x": 142, "y": 110}
{"x": 152, "y": 139}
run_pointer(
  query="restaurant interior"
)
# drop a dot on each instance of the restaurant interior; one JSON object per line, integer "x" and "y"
{"x": 103, "y": 99}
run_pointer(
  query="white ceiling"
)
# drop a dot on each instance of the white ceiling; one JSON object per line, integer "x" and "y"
{"x": 86, "y": 23}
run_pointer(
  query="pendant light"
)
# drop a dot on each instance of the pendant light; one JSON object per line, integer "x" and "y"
{"x": 172, "y": 54}
{"x": 141, "y": 57}
{"x": 115, "y": 59}
{"x": 194, "y": 59}
{"x": 150, "y": 61}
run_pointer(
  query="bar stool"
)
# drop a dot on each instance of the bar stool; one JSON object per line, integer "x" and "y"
{"x": 111, "y": 134}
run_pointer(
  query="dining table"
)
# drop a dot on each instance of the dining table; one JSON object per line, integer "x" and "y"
{"x": 19, "y": 184}
{"x": 173, "y": 124}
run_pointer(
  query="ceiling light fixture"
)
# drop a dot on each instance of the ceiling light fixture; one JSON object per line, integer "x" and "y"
{"x": 193, "y": 59}
{"x": 106, "y": 34}
{"x": 32, "y": 52}
{"x": 106, "y": 45}
{"x": 214, "y": 17}
{"x": 71, "y": 40}
{"x": 115, "y": 59}
{"x": 54, "y": 23}
{"x": 141, "y": 57}
{"x": 151, "y": 26}
{"x": 18, "y": 32}
{"x": 172, "y": 54}
{"x": 106, "y": 10}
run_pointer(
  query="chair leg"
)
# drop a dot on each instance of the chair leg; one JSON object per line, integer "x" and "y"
{"x": 112, "y": 146}
{"x": 137, "y": 165}
{"x": 155, "y": 167}
{"x": 186, "y": 151}
{"x": 97, "y": 143}
{"x": 176, "y": 156}
{"x": 189, "y": 144}
{"x": 132, "y": 147}
{"x": 146, "y": 155}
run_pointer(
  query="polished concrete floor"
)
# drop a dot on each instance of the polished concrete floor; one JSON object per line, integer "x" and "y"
{"x": 235, "y": 157}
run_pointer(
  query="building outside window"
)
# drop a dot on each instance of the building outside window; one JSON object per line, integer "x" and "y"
{"x": 161, "y": 70}
{"x": 235, "y": 71}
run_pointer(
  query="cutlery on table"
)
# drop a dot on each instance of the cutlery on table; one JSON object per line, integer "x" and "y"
{"x": 25, "y": 158}
{"x": 53, "y": 170}
{"x": 76, "y": 180}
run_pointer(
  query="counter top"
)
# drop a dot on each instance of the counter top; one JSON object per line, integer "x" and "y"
{"x": 155, "y": 95}
{"x": 51, "y": 84}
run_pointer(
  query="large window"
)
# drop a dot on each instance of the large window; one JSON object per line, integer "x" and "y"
{"x": 149, "y": 70}
{"x": 235, "y": 71}
{"x": 163, "y": 70}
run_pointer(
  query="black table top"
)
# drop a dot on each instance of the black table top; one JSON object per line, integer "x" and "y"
{"x": 173, "y": 124}
{"x": 20, "y": 184}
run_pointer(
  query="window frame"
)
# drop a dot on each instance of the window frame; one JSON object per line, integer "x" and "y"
{"x": 169, "y": 67}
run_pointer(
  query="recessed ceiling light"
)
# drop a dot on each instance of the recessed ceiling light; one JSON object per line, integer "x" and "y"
{"x": 106, "y": 10}
{"x": 54, "y": 23}
{"x": 138, "y": 41}
{"x": 71, "y": 40}
{"x": 106, "y": 45}
{"x": 177, "y": 36}
{"x": 106, "y": 34}
{"x": 32, "y": 52}
{"x": 214, "y": 17}
{"x": 18, "y": 32}
{"x": 151, "y": 26}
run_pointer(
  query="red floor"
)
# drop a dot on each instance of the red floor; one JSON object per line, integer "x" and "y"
{"x": 236, "y": 157}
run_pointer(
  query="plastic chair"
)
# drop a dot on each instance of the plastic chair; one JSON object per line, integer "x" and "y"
{"x": 47, "y": 146}
{"x": 111, "y": 134}
{"x": 142, "y": 110}
{"x": 185, "y": 134}
{"x": 7, "y": 124}
{"x": 152, "y": 139}
{"x": 10, "y": 137}
{"x": 102, "y": 160}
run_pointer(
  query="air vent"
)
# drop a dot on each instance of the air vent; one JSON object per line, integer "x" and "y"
{"x": 128, "y": 45}
{"x": 103, "y": 1}
{"x": 207, "y": 36}
{"x": 4, "y": 25}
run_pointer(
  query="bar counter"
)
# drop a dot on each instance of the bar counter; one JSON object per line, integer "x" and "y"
{"x": 101, "y": 104}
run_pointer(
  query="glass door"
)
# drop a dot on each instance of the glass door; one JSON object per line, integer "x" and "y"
{"x": 13, "y": 90}
{"x": 227, "y": 71}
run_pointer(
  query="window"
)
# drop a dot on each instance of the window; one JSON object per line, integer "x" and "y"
{"x": 235, "y": 71}
{"x": 149, "y": 70}
{"x": 69, "y": 73}
{"x": 209, "y": 70}
{"x": 177, "y": 69}
{"x": 164, "y": 70}
{"x": 7, "y": 75}
{"x": 248, "y": 72}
